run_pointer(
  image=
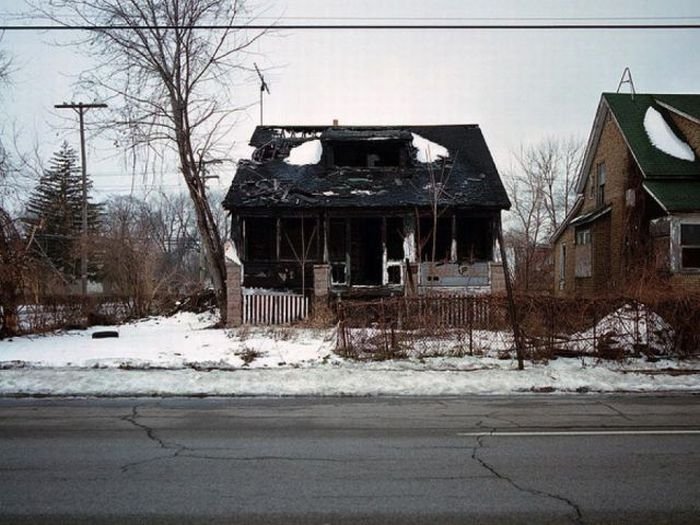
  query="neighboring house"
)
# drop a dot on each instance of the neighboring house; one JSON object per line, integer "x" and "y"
{"x": 637, "y": 213}
{"x": 354, "y": 206}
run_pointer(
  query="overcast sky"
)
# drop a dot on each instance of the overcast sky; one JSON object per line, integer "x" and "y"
{"x": 519, "y": 86}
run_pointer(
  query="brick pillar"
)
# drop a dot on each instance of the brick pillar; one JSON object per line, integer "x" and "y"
{"x": 498, "y": 278}
{"x": 234, "y": 296}
{"x": 322, "y": 280}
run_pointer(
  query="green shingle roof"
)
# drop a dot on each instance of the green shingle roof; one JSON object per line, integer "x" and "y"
{"x": 629, "y": 113}
{"x": 675, "y": 195}
{"x": 674, "y": 182}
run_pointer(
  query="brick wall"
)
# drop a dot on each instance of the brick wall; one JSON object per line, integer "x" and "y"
{"x": 690, "y": 129}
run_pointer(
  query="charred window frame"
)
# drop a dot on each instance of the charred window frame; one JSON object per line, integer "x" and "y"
{"x": 299, "y": 238}
{"x": 443, "y": 245}
{"x": 378, "y": 153}
{"x": 475, "y": 239}
{"x": 337, "y": 250}
{"x": 260, "y": 238}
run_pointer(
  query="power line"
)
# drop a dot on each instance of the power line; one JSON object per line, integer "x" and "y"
{"x": 417, "y": 18}
{"x": 351, "y": 27}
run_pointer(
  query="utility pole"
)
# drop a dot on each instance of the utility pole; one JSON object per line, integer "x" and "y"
{"x": 80, "y": 109}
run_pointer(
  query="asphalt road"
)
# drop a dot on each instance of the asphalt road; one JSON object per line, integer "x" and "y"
{"x": 517, "y": 459}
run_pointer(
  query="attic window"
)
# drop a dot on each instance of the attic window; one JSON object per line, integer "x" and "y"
{"x": 372, "y": 153}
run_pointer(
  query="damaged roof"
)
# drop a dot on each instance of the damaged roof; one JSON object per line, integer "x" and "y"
{"x": 267, "y": 180}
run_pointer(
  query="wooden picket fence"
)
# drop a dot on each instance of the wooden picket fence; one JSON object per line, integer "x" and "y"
{"x": 269, "y": 309}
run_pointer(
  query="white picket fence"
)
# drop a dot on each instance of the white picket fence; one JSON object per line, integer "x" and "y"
{"x": 267, "y": 309}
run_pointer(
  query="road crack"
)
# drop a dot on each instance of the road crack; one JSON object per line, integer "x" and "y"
{"x": 175, "y": 448}
{"x": 617, "y": 411}
{"x": 577, "y": 518}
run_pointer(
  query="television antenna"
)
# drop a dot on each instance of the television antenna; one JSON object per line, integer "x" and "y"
{"x": 626, "y": 79}
{"x": 263, "y": 87}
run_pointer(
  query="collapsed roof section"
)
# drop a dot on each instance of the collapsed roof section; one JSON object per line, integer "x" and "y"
{"x": 367, "y": 167}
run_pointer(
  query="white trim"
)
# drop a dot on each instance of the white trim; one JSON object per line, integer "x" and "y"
{"x": 677, "y": 111}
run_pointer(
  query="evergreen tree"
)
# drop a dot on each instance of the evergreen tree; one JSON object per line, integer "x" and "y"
{"x": 54, "y": 209}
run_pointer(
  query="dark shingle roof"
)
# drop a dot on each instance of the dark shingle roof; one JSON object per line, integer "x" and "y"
{"x": 473, "y": 181}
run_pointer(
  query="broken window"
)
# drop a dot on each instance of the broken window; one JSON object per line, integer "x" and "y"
{"x": 394, "y": 238}
{"x": 298, "y": 238}
{"x": 337, "y": 247}
{"x": 474, "y": 239}
{"x": 443, "y": 241}
{"x": 690, "y": 246}
{"x": 260, "y": 238}
{"x": 368, "y": 153}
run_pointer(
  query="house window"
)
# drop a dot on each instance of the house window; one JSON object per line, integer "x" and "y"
{"x": 690, "y": 246}
{"x": 583, "y": 237}
{"x": 600, "y": 184}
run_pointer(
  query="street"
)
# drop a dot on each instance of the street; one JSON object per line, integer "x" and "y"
{"x": 507, "y": 459}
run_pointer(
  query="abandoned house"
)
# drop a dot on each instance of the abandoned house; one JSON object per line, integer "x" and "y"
{"x": 637, "y": 212}
{"x": 368, "y": 211}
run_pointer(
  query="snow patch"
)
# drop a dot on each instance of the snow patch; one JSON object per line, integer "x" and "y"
{"x": 428, "y": 151}
{"x": 308, "y": 152}
{"x": 663, "y": 138}
{"x": 231, "y": 253}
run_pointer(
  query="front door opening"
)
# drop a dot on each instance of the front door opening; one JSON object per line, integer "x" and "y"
{"x": 366, "y": 251}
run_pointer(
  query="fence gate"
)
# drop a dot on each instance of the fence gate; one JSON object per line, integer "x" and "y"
{"x": 266, "y": 309}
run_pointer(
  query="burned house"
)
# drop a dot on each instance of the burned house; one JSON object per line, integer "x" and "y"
{"x": 368, "y": 210}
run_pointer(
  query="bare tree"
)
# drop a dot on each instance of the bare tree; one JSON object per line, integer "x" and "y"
{"x": 541, "y": 186}
{"x": 171, "y": 81}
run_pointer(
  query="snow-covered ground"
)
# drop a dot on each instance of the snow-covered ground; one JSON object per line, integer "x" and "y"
{"x": 181, "y": 355}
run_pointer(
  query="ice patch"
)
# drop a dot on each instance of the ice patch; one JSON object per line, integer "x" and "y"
{"x": 231, "y": 253}
{"x": 663, "y": 138}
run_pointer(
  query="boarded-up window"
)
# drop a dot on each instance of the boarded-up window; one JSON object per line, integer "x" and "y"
{"x": 584, "y": 252}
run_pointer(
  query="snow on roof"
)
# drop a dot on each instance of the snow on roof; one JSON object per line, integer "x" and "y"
{"x": 428, "y": 151}
{"x": 662, "y": 136}
{"x": 308, "y": 152}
